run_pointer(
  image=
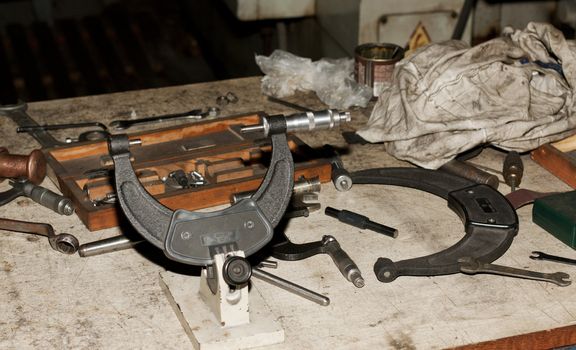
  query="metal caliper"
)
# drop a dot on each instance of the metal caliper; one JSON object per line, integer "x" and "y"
{"x": 489, "y": 220}
{"x": 221, "y": 240}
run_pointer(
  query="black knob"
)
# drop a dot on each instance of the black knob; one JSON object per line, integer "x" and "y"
{"x": 236, "y": 270}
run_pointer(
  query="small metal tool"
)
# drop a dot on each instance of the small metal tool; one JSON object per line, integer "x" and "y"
{"x": 360, "y": 221}
{"x": 32, "y": 166}
{"x": 29, "y": 128}
{"x": 536, "y": 255}
{"x": 193, "y": 114}
{"x": 64, "y": 243}
{"x": 512, "y": 170}
{"x": 26, "y": 124}
{"x": 328, "y": 245}
{"x": 38, "y": 194}
{"x": 340, "y": 176}
{"x": 473, "y": 266}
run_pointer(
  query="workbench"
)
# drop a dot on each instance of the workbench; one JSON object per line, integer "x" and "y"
{"x": 50, "y": 300}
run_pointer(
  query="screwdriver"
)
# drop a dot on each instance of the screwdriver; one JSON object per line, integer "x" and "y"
{"x": 512, "y": 170}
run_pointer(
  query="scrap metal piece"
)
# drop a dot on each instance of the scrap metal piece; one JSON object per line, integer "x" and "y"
{"x": 489, "y": 220}
{"x": 472, "y": 266}
{"x": 64, "y": 243}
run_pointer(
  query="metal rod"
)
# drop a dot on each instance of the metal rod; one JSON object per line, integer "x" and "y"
{"x": 290, "y": 287}
{"x": 107, "y": 245}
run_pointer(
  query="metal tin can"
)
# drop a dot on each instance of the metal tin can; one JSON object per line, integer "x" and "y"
{"x": 374, "y": 64}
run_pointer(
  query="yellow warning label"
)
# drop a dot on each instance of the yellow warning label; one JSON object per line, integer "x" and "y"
{"x": 418, "y": 39}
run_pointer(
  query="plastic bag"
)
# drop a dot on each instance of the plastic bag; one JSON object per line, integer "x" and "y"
{"x": 331, "y": 79}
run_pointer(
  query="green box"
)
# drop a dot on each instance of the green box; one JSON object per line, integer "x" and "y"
{"x": 557, "y": 215}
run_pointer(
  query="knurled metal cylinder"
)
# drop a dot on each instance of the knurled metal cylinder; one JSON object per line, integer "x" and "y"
{"x": 31, "y": 167}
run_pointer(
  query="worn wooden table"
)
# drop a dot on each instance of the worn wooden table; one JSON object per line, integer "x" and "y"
{"x": 50, "y": 300}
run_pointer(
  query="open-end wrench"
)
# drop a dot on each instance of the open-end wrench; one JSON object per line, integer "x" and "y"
{"x": 536, "y": 255}
{"x": 193, "y": 114}
{"x": 472, "y": 266}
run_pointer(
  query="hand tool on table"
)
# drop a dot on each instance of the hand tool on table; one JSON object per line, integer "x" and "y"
{"x": 536, "y": 255}
{"x": 360, "y": 221}
{"x": 328, "y": 245}
{"x": 39, "y": 194}
{"x": 60, "y": 126}
{"x": 40, "y": 133}
{"x": 512, "y": 170}
{"x": 489, "y": 220}
{"x": 64, "y": 243}
{"x": 31, "y": 167}
{"x": 217, "y": 239}
{"x": 472, "y": 266}
{"x": 123, "y": 124}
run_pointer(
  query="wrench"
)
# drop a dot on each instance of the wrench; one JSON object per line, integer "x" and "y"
{"x": 536, "y": 255}
{"x": 193, "y": 114}
{"x": 64, "y": 243}
{"x": 472, "y": 266}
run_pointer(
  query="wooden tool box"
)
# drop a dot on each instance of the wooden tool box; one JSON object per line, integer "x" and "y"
{"x": 228, "y": 162}
{"x": 559, "y": 158}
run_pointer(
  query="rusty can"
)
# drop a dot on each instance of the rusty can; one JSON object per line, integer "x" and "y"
{"x": 374, "y": 64}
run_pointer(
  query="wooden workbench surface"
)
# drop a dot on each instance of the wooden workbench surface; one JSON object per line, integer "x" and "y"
{"x": 50, "y": 300}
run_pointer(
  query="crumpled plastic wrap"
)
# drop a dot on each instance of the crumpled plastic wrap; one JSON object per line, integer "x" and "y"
{"x": 515, "y": 92}
{"x": 331, "y": 79}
